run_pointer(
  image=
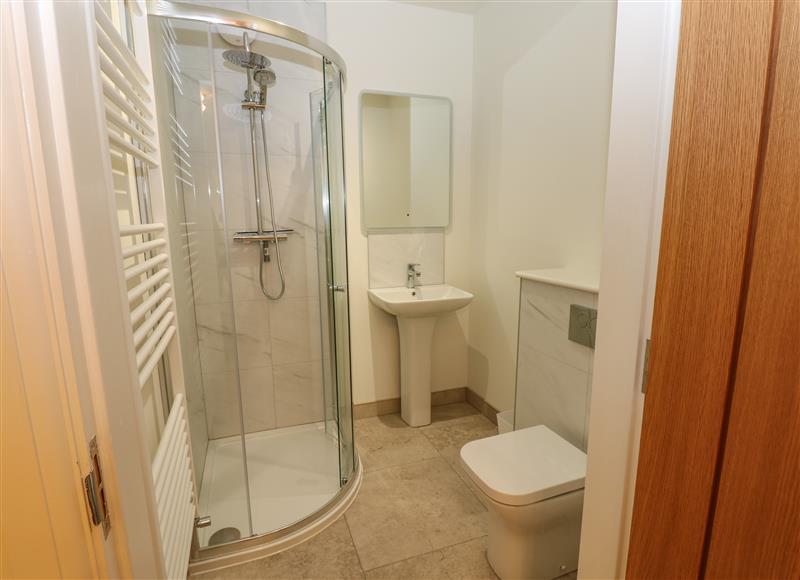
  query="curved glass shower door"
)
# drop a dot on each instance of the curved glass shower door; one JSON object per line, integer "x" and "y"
{"x": 336, "y": 246}
{"x": 251, "y": 141}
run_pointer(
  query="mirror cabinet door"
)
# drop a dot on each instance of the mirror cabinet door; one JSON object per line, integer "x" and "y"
{"x": 405, "y": 160}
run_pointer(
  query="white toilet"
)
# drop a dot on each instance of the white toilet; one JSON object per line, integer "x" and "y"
{"x": 534, "y": 481}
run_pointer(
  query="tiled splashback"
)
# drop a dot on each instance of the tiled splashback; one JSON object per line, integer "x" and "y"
{"x": 554, "y": 374}
{"x": 391, "y": 253}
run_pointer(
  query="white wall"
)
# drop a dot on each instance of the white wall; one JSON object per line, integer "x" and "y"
{"x": 408, "y": 49}
{"x": 542, "y": 89}
{"x": 644, "y": 84}
{"x": 303, "y": 14}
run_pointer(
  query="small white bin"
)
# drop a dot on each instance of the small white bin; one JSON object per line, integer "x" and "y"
{"x": 505, "y": 421}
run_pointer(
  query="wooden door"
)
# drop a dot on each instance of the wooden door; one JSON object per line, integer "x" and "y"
{"x": 721, "y": 413}
{"x": 712, "y": 167}
{"x": 755, "y": 526}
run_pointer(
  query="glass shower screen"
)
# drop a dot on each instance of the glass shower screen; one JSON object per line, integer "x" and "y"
{"x": 250, "y": 129}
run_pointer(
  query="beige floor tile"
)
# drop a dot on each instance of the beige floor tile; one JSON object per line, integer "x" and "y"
{"x": 448, "y": 438}
{"x": 465, "y": 561}
{"x": 330, "y": 555}
{"x": 412, "y": 509}
{"x": 457, "y": 432}
{"x": 482, "y": 497}
{"x": 387, "y": 441}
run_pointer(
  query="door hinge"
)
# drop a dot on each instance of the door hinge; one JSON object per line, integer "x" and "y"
{"x": 645, "y": 365}
{"x": 95, "y": 491}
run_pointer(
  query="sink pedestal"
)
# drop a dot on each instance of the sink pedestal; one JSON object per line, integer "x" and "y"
{"x": 416, "y": 340}
{"x": 416, "y": 310}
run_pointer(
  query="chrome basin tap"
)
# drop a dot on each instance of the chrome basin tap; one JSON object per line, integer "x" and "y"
{"x": 412, "y": 273}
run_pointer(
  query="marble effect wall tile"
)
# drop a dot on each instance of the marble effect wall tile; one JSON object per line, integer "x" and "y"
{"x": 299, "y": 262}
{"x": 553, "y": 373}
{"x": 390, "y": 254}
{"x": 299, "y": 258}
{"x": 551, "y": 393}
{"x": 258, "y": 399}
{"x": 287, "y": 117}
{"x": 244, "y": 271}
{"x": 216, "y": 336}
{"x": 298, "y": 393}
{"x": 194, "y": 115}
{"x": 278, "y": 347}
{"x": 252, "y": 334}
{"x": 295, "y": 330}
{"x": 239, "y": 192}
{"x": 293, "y": 191}
{"x": 203, "y": 198}
{"x": 222, "y": 402}
{"x": 544, "y": 314}
{"x": 210, "y": 281}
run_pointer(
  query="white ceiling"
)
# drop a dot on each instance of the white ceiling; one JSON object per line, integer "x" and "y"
{"x": 463, "y": 6}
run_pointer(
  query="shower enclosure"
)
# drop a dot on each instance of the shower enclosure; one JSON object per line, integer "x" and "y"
{"x": 250, "y": 114}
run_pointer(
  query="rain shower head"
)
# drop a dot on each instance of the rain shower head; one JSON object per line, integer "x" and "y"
{"x": 246, "y": 59}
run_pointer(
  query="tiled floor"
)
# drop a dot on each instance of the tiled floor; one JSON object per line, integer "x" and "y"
{"x": 416, "y": 515}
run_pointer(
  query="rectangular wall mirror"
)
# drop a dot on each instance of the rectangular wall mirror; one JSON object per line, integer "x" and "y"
{"x": 405, "y": 160}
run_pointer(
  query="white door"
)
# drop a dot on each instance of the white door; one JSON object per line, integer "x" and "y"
{"x": 45, "y": 530}
{"x": 88, "y": 313}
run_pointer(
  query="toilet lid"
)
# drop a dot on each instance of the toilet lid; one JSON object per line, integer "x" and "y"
{"x": 525, "y": 466}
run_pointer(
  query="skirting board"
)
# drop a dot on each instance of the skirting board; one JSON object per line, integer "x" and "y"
{"x": 483, "y": 407}
{"x": 446, "y": 397}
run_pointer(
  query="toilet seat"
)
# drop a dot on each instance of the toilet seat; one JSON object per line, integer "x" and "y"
{"x": 525, "y": 466}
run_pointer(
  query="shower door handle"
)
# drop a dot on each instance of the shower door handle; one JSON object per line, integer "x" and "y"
{"x": 337, "y": 287}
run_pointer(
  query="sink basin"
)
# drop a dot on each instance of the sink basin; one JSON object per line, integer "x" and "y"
{"x": 422, "y": 301}
{"x": 417, "y": 311}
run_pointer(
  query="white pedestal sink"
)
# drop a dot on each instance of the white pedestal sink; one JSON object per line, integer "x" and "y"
{"x": 417, "y": 311}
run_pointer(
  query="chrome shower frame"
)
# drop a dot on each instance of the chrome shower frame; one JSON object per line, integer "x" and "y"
{"x": 226, "y": 17}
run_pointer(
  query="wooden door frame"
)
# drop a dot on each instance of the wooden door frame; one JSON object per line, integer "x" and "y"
{"x": 646, "y": 46}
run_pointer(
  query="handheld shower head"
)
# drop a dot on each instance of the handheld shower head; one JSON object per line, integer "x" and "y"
{"x": 264, "y": 77}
